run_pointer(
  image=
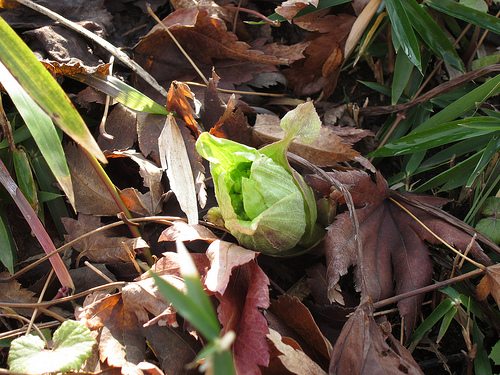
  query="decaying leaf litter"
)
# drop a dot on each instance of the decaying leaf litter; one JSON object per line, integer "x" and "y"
{"x": 332, "y": 321}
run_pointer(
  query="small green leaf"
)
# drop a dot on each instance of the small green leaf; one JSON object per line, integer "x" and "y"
{"x": 402, "y": 32}
{"x": 495, "y": 353}
{"x": 71, "y": 346}
{"x": 445, "y": 324}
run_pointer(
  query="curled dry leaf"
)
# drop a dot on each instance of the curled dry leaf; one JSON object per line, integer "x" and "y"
{"x": 367, "y": 348}
{"x": 290, "y": 8}
{"x": 182, "y": 231}
{"x": 293, "y": 359}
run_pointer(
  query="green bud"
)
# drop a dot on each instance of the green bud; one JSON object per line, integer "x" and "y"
{"x": 265, "y": 204}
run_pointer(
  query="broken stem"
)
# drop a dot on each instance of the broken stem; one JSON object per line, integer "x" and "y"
{"x": 429, "y": 288}
{"x": 478, "y": 265}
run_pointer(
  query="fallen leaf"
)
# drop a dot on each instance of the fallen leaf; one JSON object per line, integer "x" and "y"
{"x": 490, "y": 284}
{"x": 238, "y": 311}
{"x": 293, "y": 359}
{"x": 224, "y": 258}
{"x": 290, "y": 8}
{"x": 298, "y": 317}
{"x": 179, "y": 100}
{"x": 182, "y": 231}
{"x": 169, "y": 264}
{"x": 207, "y": 41}
{"x": 174, "y": 159}
{"x": 327, "y": 150}
{"x": 321, "y": 67}
{"x": 395, "y": 249}
{"x": 365, "y": 347}
{"x": 117, "y": 333}
{"x": 122, "y": 125}
{"x": 99, "y": 247}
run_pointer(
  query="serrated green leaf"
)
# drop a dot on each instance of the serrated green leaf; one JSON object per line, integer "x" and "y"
{"x": 123, "y": 93}
{"x": 402, "y": 32}
{"x": 72, "y": 345}
{"x": 432, "y": 34}
{"x": 44, "y": 89}
{"x": 495, "y": 353}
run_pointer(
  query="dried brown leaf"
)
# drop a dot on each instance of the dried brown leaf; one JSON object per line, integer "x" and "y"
{"x": 328, "y": 150}
{"x": 367, "y": 348}
{"x": 395, "y": 252}
{"x": 290, "y": 8}
{"x": 293, "y": 359}
{"x": 180, "y": 230}
{"x": 490, "y": 284}
{"x": 122, "y": 125}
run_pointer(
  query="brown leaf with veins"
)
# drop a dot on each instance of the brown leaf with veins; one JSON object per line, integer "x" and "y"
{"x": 238, "y": 311}
{"x": 179, "y": 100}
{"x": 367, "y": 348}
{"x": 395, "y": 253}
{"x": 117, "y": 333}
{"x": 208, "y": 42}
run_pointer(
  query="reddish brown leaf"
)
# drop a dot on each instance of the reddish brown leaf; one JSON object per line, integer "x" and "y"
{"x": 122, "y": 125}
{"x": 246, "y": 293}
{"x": 180, "y": 100}
{"x": 395, "y": 253}
{"x": 367, "y": 348}
{"x": 182, "y": 231}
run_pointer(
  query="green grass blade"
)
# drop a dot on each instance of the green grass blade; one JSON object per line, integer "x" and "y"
{"x": 481, "y": 361}
{"x": 8, "y": 250}
{"x": 432, "y": 34}
{"x": 402, "y": 73}
{"x": 43, "y": 131}
{"x": 464, "y": 104}
{"x": 432, "y": 319}
{"x": 453, "y": 177}
{"x": 402, "y": 31}
{"x": 445, "y": 324}
{"x": 25, "y": 180}
{"x": 437, "y": 136}
{"x": 488, "y": 153}
{"x": 122, "y": 92}
{"x": 43, "y": 89}
{"x": 465, "y": 13}
{"x": 20, "y": 134}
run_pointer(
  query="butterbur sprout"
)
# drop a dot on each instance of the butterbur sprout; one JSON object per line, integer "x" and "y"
{"x": 264, "y": 203}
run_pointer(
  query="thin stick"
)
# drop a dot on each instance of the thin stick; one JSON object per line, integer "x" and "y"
{"x": 102, "y": 42}
{"x": 478, "y": 265}
{"x": 26, "y": 320}
{"x": 102, "y": 126}
{"x": 40, "y": 298}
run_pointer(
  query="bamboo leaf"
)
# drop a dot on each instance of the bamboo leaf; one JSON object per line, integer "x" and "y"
{"x": 43, "y": 89}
